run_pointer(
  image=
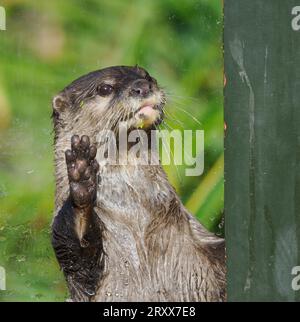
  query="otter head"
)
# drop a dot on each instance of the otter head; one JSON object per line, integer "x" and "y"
{"x": 102, "y": 99}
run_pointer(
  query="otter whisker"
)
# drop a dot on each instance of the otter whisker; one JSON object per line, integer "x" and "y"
{"x": 113, "y": 116}
{"x": 172, "y": 154}
{"x": 186, "y": 98}
{"x": 117, "y": 120}
{"x": 182, "y": 109}
{"x": 168, "y": 116}
{"x": 189, "y": 114}
{"x": 169, "y": 119}
{"x": 167, "y": 125}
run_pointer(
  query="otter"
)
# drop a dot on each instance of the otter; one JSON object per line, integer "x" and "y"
{"x": 120, "y": 232}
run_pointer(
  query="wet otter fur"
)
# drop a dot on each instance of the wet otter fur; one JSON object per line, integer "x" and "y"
{"x": 120, "y": 232}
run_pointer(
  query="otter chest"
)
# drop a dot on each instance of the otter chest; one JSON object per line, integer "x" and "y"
{"x": 129, "y": 188}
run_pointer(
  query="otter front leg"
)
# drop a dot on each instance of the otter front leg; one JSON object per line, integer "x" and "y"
{"x": 82, "y": 171}
{"x": 77, "y": 230}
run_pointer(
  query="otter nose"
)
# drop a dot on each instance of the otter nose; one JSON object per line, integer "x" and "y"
{"x": 141, "y": 88}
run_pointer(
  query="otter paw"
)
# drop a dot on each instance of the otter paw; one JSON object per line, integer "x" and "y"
{"x": 82, "y": 171}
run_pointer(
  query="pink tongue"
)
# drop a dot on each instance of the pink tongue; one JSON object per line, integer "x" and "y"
{"x": 147, "y": 110}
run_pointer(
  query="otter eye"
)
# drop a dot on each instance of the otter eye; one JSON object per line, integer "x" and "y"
{"x": 105, "y": 89}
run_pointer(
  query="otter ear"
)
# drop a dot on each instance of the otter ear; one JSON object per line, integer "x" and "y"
{"x": 60, "y": 102}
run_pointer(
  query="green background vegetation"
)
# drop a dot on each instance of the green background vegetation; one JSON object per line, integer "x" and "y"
{"x": 48, "y": 44}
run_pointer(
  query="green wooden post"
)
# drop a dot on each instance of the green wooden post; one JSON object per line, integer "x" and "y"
{"x": 262, "y": 148}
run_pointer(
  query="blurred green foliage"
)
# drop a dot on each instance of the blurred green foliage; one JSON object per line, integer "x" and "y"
{"x": 48, "y": 44}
